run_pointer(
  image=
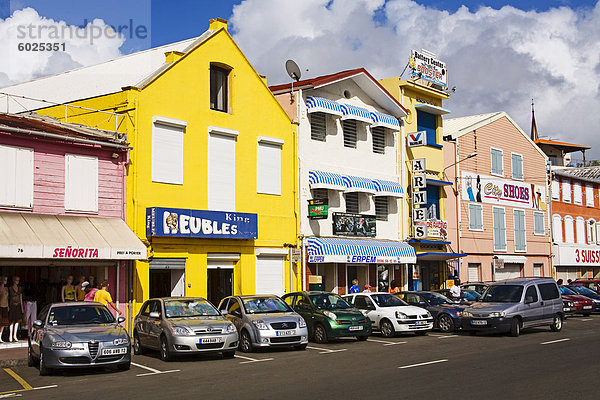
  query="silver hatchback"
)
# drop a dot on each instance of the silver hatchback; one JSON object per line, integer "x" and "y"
{"x": 183, "y": 325}
{"x": 265, "y": 321}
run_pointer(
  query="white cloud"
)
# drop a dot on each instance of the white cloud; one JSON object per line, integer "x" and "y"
{"x": 498, "y": 59}
{"x": 88, "y": 46}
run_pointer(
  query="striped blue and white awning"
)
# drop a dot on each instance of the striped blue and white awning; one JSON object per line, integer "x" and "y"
{"x": 356, "y": 113}
{"x": 359, "y": 184}
{"x": 325, "y": 180}
{"x": 319, "y": 104}
{"x": 388, "y": 188}
{"x": 344, "y": 250}
{"x": 387, "y": 121}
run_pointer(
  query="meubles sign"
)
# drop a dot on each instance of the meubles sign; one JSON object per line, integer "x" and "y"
{"x": 498, "y": 191}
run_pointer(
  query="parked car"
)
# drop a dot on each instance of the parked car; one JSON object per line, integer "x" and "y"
{"x": 264, "y": 321}
{"x": 515, "y": 304}
{"x": 479, "y": 287}
{"x": 390, "y": 314}
{"x": 328, "y": 316}
{"x": 468, "y": 296}
{"x": 589, "y": 293}
{"x": 593, "y": 284}
{"x": 568, "y": 308}
{"x": 76, "y": 335}
{"x": 581, "y": 304}
{"x": 183, "y": 325}
{"x": 446, "y": 314}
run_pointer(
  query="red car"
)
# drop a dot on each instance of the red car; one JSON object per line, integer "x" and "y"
{"x": 581, "y": 304}
{"x": 593, "y": 284}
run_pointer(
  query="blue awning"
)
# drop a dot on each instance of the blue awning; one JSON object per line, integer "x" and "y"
{"x": 359, "y": 184}
{"x": 356, "y": 113}
{"x": 344, "y": 250}
{"x": 387, "y": 121}
{"x": 325, "y": 180}
{"x": 319, "y": 104}
{"x": 388, "y": 188}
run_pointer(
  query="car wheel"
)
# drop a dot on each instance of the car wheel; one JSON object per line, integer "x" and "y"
{"x": 30, "y": 358}
{"x": 387, "y": 329}
{"x": 445, "y": 323}
{"x": 228, "y": 354}
{"x": 245, "y": 342}
{"x": 556, "y": 323}
{"x": 515, "y": 327}
{"x": 320, "y": 334}
{"x": 165, "y": 352}
{"x": 44, "y": 370}
{"x": 124, "y": 367}
{"x": 362, "y": 338}
{"x": 301, "y": 347}
{"x": 137, "y": 345}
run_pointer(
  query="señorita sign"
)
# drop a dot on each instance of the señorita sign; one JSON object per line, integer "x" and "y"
{"x": 490, "y": 189}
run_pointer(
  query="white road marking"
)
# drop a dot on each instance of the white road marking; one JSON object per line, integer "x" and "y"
{"x": 45, "y": 387}
{"x": 556, "y": 341}
{"x": 152, "y": 370}
{"x": 385, "y": 342}
{"x": 435, "y": 335}
{"x": 6, "y": 396}
{"x": 586, "y": 319}
{"x": 325, "y": 351}
{"x": 423, "y": 363}
{"x": 252, "y": 360}
{"x": 390, "y": 344}
{"x": 146, "y": 368}
{"x": 447, "y": 336}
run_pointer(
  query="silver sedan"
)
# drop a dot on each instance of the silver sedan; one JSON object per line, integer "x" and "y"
{"x": 183, "y": 325}
{"x": 265, "y": 321}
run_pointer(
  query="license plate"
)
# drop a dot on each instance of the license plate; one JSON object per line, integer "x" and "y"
{"x": 284, "y": 333}
{"x": 587, "y": 307}
{"x": 421, "y": 323}
{"x": 355, "y": 328}
{"x": 479, "y": 322}
{"x": 114, "y": 351}
{"x": 211, "y": 340}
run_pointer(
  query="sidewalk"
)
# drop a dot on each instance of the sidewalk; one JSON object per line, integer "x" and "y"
{"x": 13, "y": 354}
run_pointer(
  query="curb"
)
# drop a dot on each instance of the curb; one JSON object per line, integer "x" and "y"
{"x": 16, "y": 362}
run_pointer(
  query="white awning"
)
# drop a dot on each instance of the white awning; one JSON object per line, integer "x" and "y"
{"x": 512, "y": 259}
{"x": 40, "y": 236}
{"x": 431, "y": 109}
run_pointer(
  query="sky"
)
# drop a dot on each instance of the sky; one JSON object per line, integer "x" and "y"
{"x": 499, "y": 53}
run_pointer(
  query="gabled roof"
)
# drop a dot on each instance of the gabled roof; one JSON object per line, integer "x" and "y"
{"x": 591, "y": 174}
{"x": 566, "y": 147}
{"x": 361, "y": 77}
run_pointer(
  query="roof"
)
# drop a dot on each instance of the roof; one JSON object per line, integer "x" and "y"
{"x": 361, "y": 77}
{"x": 566, "y": 147}
{"x": 591, "y": 174}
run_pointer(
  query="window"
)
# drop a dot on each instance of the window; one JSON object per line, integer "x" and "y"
{"x": 320, "y": 194}
{"x": 566, "y": 191}
{"x": 433, "y": 202}
{"x": 378, "y": 134}
{"x": 548, "y": 291}
{"x": 589, "y": 195}
{"x": 577, "y": 193}
{"x": 497, "y": 162}
{"x": 146, "y": 309}
{"x": 499, "y": 228}
{"x": 538, "y": 223}
{"x": 557, "y": 232}
{"x": 361, "y": 302}
{"x": 580, "y": 230}
{"x": 167, "y": 150}
{"x": 555, "y": 189}
{"x": 475, "y": 217}
{"x": 234, "y": 307}
{"x": 289, "y": 300}
{"x": 81, "y": 183}
{"x": 569, "y": 230}
{"x": 268, "y": 174}
{"x": 381, "y": 208}
{"x": 350, "y": 136}
{"x": 318, "y": 126}
{"x": 473, "y": 269}
{"x": 531, "y": 292}
{"x": 520, "y": 236}
{"x": 517, "y": 166}
{"x": 537, "y": 269}
{"x": 219, "y": 88}
{"x": 591, "y": 231}
{"x": 352, "y": 203}
{"x": 221, "y": 172}
{"x": 16, "y": 180}
{"x": 427, "y": 122}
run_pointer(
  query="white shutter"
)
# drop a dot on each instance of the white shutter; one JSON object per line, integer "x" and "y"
{"x": 221, "y": 172}
{"x": 167, "y": 153}
{"x": 557, "y": 233}
{"x": 8, "y": 177}
{"x": 555, "y": 189}
{"x": 473, "y": 270}
{"x": 566, "y": 190}
{"x": 537, "y": 270}
{"x": 569, "y": 229}
{"x": 580, "y": 226}
{"x": 81, "y": 183}
{"x": 597, "y": 233}
{"x": 270, "y": 275}
{"x": 577, "y": 193}
{"x": 589, "y": 195}
{"x": 24, "y": 178}
{"x": 268, "y": 174}
{"x": 510, "y": 271}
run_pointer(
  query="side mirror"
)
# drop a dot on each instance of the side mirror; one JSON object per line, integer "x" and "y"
{"x": 120, "y": 320}
{"x": 155, "y": 315}
{"x": 37, "y": 323}
{"x": 528, "y": 300}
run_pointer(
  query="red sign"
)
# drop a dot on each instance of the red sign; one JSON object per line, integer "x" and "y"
{"x": 70, "y": 252}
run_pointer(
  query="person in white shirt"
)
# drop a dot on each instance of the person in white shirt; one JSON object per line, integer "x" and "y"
{"x": 455, "y": 290}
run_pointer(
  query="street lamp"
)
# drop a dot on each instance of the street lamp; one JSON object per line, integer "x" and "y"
{"x": 474, "y": 154}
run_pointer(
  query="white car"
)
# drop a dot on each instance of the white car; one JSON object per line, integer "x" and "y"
{"x": 390, "y": 315}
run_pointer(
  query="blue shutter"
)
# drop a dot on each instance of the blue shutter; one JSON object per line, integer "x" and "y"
{"x": 427, "y": 122}
{"x": 499, "y": 229}
{"x": 520, "y": 241}
{"x": 497, "y": 164}
{"x": 475, "y": 216}
{"x": 517, "y": 166}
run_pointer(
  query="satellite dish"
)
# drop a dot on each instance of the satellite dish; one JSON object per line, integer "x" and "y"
{"x": 293, "y": 70}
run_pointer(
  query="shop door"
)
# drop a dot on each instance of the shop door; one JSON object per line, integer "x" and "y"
{"x": 270, "y": 275}
{"x": 167, "y": 277}
{"x": 509, "y": 271}
{"x": 474, "y": 272}
{"x": 357, "y": 271}
{"x": 219, "y": 280}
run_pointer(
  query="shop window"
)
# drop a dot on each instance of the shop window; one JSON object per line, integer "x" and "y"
{"x": 219, "y": 88}
{"x": 381, "y": 208}
{"x": 569, "y": 229}
{"x": 378, "y": 134}
{"x": 350, "y": 135}
{"x": 318, "y": 126}
{"x": 566, "y": 190}
{"x": 433, "y": 202}
{"x": 221, "y": 172}
{"x": 497, "y": 162}
{"x": 167, "y": 151}
{"x": 352, "y": 203}
{"x": 16, "y": 180}
{"x": 538, "y": 223}
{"x": 517, "y": 166}
{"x": 580, "y": 230}
{"x": 520, "y": 234}
{"x": 268, "y": 172}
{"x": 427, "y": 122}
{"x": 81, "y": 183}
{"x": 555, "y": 189}
{"x": 589, "y": 195}
{"x": 499, "y": 228}
{"x": 577, "y": 193}
{"x": 475, "y": 217}
{"x": 557, "y": 231}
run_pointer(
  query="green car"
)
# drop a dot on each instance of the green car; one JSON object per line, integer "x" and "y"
{"x": 328, "y": 316}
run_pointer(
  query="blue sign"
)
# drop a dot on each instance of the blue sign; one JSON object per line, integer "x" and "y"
{"x": 177, "y": 222}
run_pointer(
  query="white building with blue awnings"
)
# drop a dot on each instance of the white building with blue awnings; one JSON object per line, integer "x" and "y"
{"x": 350, "y": 180}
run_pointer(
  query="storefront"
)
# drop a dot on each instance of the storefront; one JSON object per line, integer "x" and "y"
{"x": 432, "y": 268}
{"x": 576, "y": 261}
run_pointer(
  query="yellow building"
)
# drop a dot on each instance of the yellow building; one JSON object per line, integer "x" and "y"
{"x": 211, "y": 182}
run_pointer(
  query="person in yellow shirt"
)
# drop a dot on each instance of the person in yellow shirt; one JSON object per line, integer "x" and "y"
{"x": 103, "y": 297}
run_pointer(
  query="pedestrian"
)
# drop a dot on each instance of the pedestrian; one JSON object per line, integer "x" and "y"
{"x": 394, "y": 288}
{"x": 367, "y": 288}
{"x": 569, "y": 281}
{"x": 455, "y": 290}
{"x": 67, "y": 292}
{"x": 354, "y": 288}
{"x": 103, "y": 297}
{"x": 559, "y": 282}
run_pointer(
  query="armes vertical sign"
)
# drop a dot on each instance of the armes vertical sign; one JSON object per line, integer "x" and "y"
{"x": 419, "y": 198}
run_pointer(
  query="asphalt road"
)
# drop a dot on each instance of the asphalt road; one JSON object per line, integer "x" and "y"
{"x": 539, "y": 364}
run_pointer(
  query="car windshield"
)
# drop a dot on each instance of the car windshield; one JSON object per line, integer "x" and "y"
{"x": 583, "y": 290}
{"x": 189, "y": 308}
{"x": 566, "y": 291}
{"x": 263, "y": 305}
{"x": 435, "y": 299}
{"x": 502, "y": 294}
{"x": 328, "y": 301}
{"x": 387, "y": 300}
{"x": 80, "y": 315}
{"x": 470, "y": 295}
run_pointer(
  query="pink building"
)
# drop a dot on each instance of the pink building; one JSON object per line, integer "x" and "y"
{"x": 62, "y": 208}
{"x": 498, "y": 210}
